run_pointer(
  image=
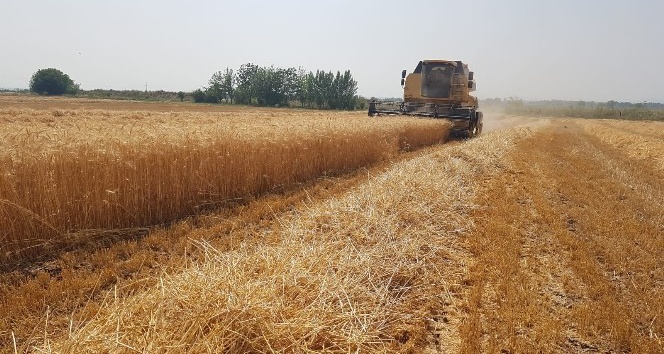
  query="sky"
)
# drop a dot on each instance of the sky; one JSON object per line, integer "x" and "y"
{"x": 592, "y": 50}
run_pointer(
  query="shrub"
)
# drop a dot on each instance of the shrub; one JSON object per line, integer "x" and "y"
{"x": 198, "y": 95}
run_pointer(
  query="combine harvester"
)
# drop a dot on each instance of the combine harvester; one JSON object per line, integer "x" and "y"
{"x": 437, "y": 89}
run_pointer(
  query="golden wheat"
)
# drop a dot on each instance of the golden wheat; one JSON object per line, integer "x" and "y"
{"x": 639, "y": 140}
{"x": 65, "y": 172}
{"x": 367, "y": 271}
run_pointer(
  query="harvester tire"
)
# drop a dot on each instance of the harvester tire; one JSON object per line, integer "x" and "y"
{"x": 472, "y": 131}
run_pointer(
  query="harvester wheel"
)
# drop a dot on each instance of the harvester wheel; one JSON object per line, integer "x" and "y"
{"x": 472, "y": 131}
{"x": 472, "y": 128}
{"x": 476, "y": 124}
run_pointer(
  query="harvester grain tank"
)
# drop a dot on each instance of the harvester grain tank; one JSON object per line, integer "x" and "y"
{"x": 437, "y": 89}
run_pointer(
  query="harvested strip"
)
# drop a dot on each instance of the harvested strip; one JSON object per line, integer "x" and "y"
{"x": 566, "y": 261}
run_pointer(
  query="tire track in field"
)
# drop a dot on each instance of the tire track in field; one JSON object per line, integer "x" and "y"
{"x": 565, "y": 260}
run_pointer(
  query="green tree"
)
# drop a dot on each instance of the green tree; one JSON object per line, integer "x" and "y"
{"x": 215, "y": 92}
{"x": 301, "y": 88}
{"x": 245, "y": 83}
{"x": 310, "y": 92}
{"x": 198, "y": 95}
{"x": 52, "y": 82}
{"x": 343, "y": 92}
{"x": 211, "y": 95}
{"x": 269, "y": 87}
{"x": 361, "y": 102}
{"x": 322, "y": 87}
{"x": 290, "y": 83}
{"x": 273, "y": 86}
{"x": 228, "y": 84}
{"x": 181, "y": 96}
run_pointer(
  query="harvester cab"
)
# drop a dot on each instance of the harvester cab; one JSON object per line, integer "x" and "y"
{"x": 437, "y": 89}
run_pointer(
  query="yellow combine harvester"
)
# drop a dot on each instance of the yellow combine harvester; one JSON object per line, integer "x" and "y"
{"x": 437, "y": 89}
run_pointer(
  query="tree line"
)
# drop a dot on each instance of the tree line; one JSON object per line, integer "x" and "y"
{"x": 250, "y": 84}
{"x": 272, "y": 86}
{"x": 577, "y": 109}
{"x": 516, "y": 101}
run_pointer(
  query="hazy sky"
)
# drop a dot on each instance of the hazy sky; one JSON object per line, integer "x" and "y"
{"x": 564, "y": 49}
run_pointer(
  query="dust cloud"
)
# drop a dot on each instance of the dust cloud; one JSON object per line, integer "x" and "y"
{"x": 497, "y": 119}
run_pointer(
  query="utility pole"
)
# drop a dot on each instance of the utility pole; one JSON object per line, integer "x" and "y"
{"x": 146, "y": 87}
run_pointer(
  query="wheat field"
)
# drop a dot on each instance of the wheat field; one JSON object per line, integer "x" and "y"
{"x": 542, "y": 235}
{"x": 67, "y": 173}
